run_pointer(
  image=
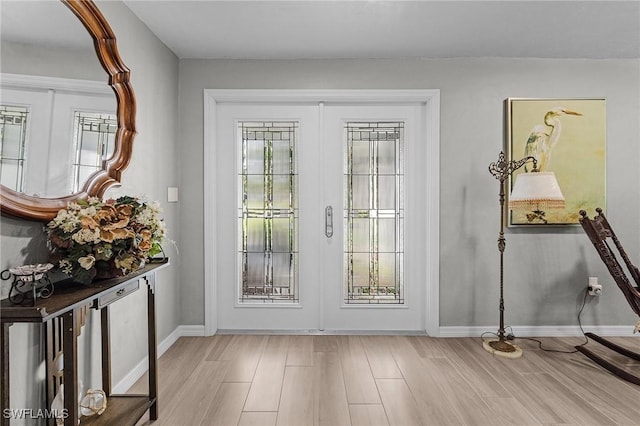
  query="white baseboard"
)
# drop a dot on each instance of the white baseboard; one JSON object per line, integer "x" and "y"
{"x": 316, "y": 332}
{"x": 136, "y": 372}
{"x": 191, "y": 330}
{"x": 538, "y": 331}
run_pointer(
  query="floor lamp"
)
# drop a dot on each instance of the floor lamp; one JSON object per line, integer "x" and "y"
{"x": 535, "y": 192}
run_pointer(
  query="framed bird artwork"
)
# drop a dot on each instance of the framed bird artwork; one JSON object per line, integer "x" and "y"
{"x": 566, "y": 137}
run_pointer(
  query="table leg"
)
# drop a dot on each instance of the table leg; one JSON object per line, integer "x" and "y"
{"x": 106, "y": 350}
{"x": 70, "y": 375}
{"x": 153, "y": 346}
{"x": 4, "y": 350}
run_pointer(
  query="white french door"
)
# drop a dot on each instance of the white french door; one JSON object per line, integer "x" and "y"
{"x": 267, "y": 254}
{"x": 371, "y": 275}
{"x": 320, "y": 216}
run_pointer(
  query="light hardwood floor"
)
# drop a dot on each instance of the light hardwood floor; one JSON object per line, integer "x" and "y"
{"x": 386, "y": 380}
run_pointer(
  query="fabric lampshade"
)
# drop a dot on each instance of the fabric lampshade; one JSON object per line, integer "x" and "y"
{"x": 536, "y": 190}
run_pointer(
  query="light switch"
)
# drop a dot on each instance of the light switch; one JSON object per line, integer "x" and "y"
{"x": 172, "y": 194}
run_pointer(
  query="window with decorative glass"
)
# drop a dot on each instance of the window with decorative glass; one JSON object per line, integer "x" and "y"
{"x": 13, "y": 140}
{"x": 268, "y": 212}
{"x": 94, "y": 137}
{"x": 374, "y": 213}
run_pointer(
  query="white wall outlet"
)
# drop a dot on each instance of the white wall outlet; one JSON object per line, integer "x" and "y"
{"x": 172, "y": 194}
{"x": 594, "y": 288}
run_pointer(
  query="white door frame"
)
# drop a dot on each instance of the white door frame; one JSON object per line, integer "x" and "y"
{"x": 431, "y": 100}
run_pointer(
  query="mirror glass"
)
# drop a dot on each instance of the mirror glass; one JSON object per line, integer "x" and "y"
{"x": 58, "y": 114}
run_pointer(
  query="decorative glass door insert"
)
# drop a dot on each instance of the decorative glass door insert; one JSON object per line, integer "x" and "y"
{"x": 93, "y": 141}
{"x": 373, "y": 212}
{"x": 13, "y": 138}
{"x": 268, "y": 212}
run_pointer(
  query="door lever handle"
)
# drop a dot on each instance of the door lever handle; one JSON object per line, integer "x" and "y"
{"x": 328, "y": 221}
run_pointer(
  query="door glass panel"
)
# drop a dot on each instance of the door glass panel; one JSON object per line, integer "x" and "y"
{"x": 268, "y": 212}
{"x": 360, "y": 158}
{"x": 282, "y": 185}
{"x": 254, "y": 156}
{"x": 94, "y": 139}
{"x": 13, "y": 138}
{"x": 360, "y": 193}
{"x": 374, "y": 213}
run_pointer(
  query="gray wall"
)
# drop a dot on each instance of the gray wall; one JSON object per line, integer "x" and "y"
{"x": 81, "y": 64}
{"x": 154, "y": 167}
{"x": 546, "y": 269}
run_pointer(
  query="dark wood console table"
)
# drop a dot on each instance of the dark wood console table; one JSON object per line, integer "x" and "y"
{"x": 62, "y": 314}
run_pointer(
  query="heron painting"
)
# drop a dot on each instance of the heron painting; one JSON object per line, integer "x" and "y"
{"x": 567, "y": 137}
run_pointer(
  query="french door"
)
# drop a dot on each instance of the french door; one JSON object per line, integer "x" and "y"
{"x": 320, "y": 216}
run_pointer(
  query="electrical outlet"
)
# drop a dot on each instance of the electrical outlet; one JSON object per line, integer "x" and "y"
{"x": 595, "y": 289}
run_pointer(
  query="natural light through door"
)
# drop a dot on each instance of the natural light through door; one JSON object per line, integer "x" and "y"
{"x": 268, "y": 212}
{"x": 373, "y": 212}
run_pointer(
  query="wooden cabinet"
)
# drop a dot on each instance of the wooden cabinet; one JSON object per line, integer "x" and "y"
{"x": 61, "y": 315}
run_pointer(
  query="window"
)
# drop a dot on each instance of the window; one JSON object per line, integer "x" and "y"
{"x": 13, "y": 139}
{"x": 374, "y": 213}
{"x": 268, "y": 212}
{"x": 94, "y": 137}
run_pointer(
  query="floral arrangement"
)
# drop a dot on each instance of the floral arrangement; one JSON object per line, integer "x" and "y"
{"x": 101, "y": 239}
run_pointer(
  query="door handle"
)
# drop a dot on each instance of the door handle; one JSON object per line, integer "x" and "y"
{"x": 328, "y": 221}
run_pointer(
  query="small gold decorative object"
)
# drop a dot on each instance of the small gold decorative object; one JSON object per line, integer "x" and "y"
{"x": 94, "y": 402}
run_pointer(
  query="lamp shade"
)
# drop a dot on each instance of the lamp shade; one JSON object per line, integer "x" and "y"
{"x": 536, "y": 190}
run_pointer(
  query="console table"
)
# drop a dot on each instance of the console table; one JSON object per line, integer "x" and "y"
{"x": 62, "y": 315}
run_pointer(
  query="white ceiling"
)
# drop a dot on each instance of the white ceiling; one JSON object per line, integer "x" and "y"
{"x": 44, "y": 23}
{"x": 266, "y": 29}
{"x": 285, "y": 29}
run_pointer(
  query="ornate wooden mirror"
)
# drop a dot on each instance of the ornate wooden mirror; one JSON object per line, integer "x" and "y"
{"x": 19, "y": 204}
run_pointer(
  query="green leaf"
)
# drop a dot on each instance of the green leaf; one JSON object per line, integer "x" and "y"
{"x": 84, "y": 276}
{"x": 155, "y": 249}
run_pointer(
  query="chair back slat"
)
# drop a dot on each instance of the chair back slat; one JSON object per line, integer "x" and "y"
{"x": 600, "y": 233}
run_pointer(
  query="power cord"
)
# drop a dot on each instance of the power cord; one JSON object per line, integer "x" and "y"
{"x": 511, "y": 336}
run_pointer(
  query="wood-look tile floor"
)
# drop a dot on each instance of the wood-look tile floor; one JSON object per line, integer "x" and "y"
{"x": 386, "y": 380}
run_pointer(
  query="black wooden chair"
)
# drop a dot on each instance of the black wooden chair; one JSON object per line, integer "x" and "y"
{"x": 601, "y": 235}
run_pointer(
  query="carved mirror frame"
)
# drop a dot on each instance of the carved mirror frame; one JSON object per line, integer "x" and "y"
{"x": 24, "y": 206}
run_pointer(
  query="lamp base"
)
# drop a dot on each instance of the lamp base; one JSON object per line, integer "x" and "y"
{"x": 502, "y": 348}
